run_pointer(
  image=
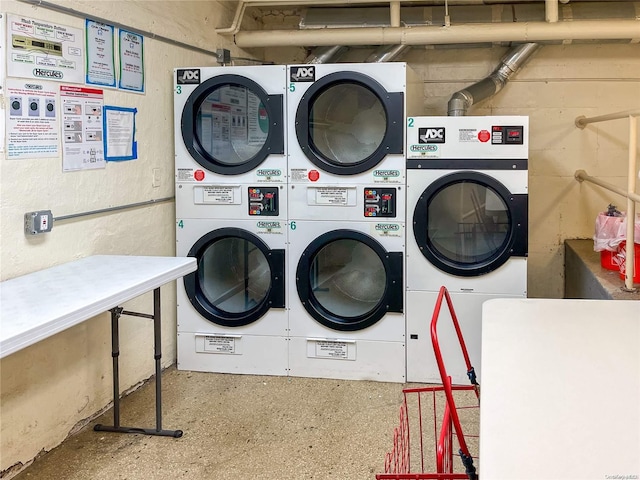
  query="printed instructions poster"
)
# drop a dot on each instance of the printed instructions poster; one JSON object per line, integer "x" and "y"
{"x": 131, "y": 62}
{"x": 32, "y": 124}
{"x": 82, "y": 130}
{"x": 101, "y": 68}
{"x": 43, "y": 50}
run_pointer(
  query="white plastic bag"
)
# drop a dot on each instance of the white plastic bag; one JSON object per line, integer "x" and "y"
{"x": 607, "y": 235}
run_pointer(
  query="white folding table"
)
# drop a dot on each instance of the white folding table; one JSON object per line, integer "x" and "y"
{"x": 560, "y": 389}
{"x": 40, "y": 304}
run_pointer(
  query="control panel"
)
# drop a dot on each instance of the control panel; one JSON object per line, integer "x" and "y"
{"x": 507, "y": 135}
{"x": 263, "y": 201}
{"x": 380, "y": 202}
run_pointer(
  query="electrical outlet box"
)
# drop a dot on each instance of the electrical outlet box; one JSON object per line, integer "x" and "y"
{"x": 39, "y": 222}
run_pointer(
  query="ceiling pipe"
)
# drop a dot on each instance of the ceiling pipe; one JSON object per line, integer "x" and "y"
{"x": 489, "y": 86}
{"x": 551, "y": 10}
{"x": 237, "y": 20}
{"x": 470, "y": 33}
{"x": 395, "y": 4}
{"x": 394, "y": 14}
{"x": 325, "y": 54}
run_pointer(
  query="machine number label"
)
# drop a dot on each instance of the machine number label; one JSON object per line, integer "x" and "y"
{"x": 331, "y": 196}
{"x": 293, "y": 225}
{"x": 181, "y": 224}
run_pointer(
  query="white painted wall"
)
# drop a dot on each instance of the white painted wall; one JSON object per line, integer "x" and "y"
{"x": 48, "y": 388}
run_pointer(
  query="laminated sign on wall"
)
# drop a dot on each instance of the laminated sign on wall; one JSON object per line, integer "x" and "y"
{"x": 32, "y": 122}
{"x": 40, "y": 49}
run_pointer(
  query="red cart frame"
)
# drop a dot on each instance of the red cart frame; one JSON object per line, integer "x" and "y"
{"x": 398, "y": 464}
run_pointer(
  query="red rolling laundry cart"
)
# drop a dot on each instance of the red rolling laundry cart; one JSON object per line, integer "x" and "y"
{"x": 416, "y": 436}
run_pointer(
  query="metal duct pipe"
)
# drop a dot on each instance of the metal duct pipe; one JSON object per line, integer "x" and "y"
{"x": 324, "y": 54}
{"x": 386, "y": 53}
{"x": 485, "y": 88}
{"x": 432, "y": 35}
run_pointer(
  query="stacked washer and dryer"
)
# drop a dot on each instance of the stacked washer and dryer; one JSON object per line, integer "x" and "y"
{"x": 468, "y": 224}
{"x": 293, "y": 185}
{"x": 231, "y": 211}
{"x": 347, "y": 177}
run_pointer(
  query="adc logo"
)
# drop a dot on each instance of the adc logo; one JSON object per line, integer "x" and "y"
{"x": 431, "y": 135}
{"x": 188, "y": 76}
{"x": 303, "y": 74}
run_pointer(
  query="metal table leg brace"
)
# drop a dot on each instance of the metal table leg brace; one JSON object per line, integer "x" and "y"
{"x": 115, "y": 353}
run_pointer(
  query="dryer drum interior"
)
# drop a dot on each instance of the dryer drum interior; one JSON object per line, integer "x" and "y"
{"x": 230, "y": 125}
{"x": 347, "y": 281}
{"x": 347, "y": 122}
{"x": 469, "y": 224}
{"x": 238, "y": 278}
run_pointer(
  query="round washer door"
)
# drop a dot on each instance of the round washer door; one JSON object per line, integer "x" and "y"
{"x": 346, "y": 123}
{"x": 230, "y": 125}
{"x": 347, "y": 281}
{"x": 238, "y": 277}
{"x": 468, "y": 224}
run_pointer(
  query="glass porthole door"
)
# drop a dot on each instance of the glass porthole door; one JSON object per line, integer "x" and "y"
{"x": 238, "y": 277}
{"x": 230, "y": 125}
{"x": 347, "y": 281}
{"x": 468, "y": 224}
{"x": 346, "y": 123}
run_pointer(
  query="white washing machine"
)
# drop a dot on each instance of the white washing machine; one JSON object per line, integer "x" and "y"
{"x": 347, "y": 122}
{"x": 467, "y": 230}
{"x": 347, "y": 300}
{"x": 229, "y": 124}
{"x": 232, "y": 315}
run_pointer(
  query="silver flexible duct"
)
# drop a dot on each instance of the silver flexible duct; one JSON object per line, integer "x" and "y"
{"x": 324, "y": 54}
{"x": 386, "y": 53}
{"x": 485, "y": 88}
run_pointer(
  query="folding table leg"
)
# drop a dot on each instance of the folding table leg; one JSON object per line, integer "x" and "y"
{"x": 115, "y": 353}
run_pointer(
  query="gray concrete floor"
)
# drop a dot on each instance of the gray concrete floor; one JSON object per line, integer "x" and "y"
{"x": 250, "y": 427}
{"x": 241, "y": 427}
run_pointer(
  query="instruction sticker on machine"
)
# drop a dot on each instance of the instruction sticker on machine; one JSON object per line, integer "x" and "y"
{"x": 331, "y": 349}
{"x": 220, "y": 195}
{"x": 331, "y": 196}
{"x": 219, "y": 344}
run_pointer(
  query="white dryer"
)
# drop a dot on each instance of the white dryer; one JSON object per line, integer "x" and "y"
{"x": 232, "y": 315}
{"x": 347, "y": 122}
{"x": 347, "y": 300}
{"x": 229, "y": 124}
{"x": 467, "y": 229}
